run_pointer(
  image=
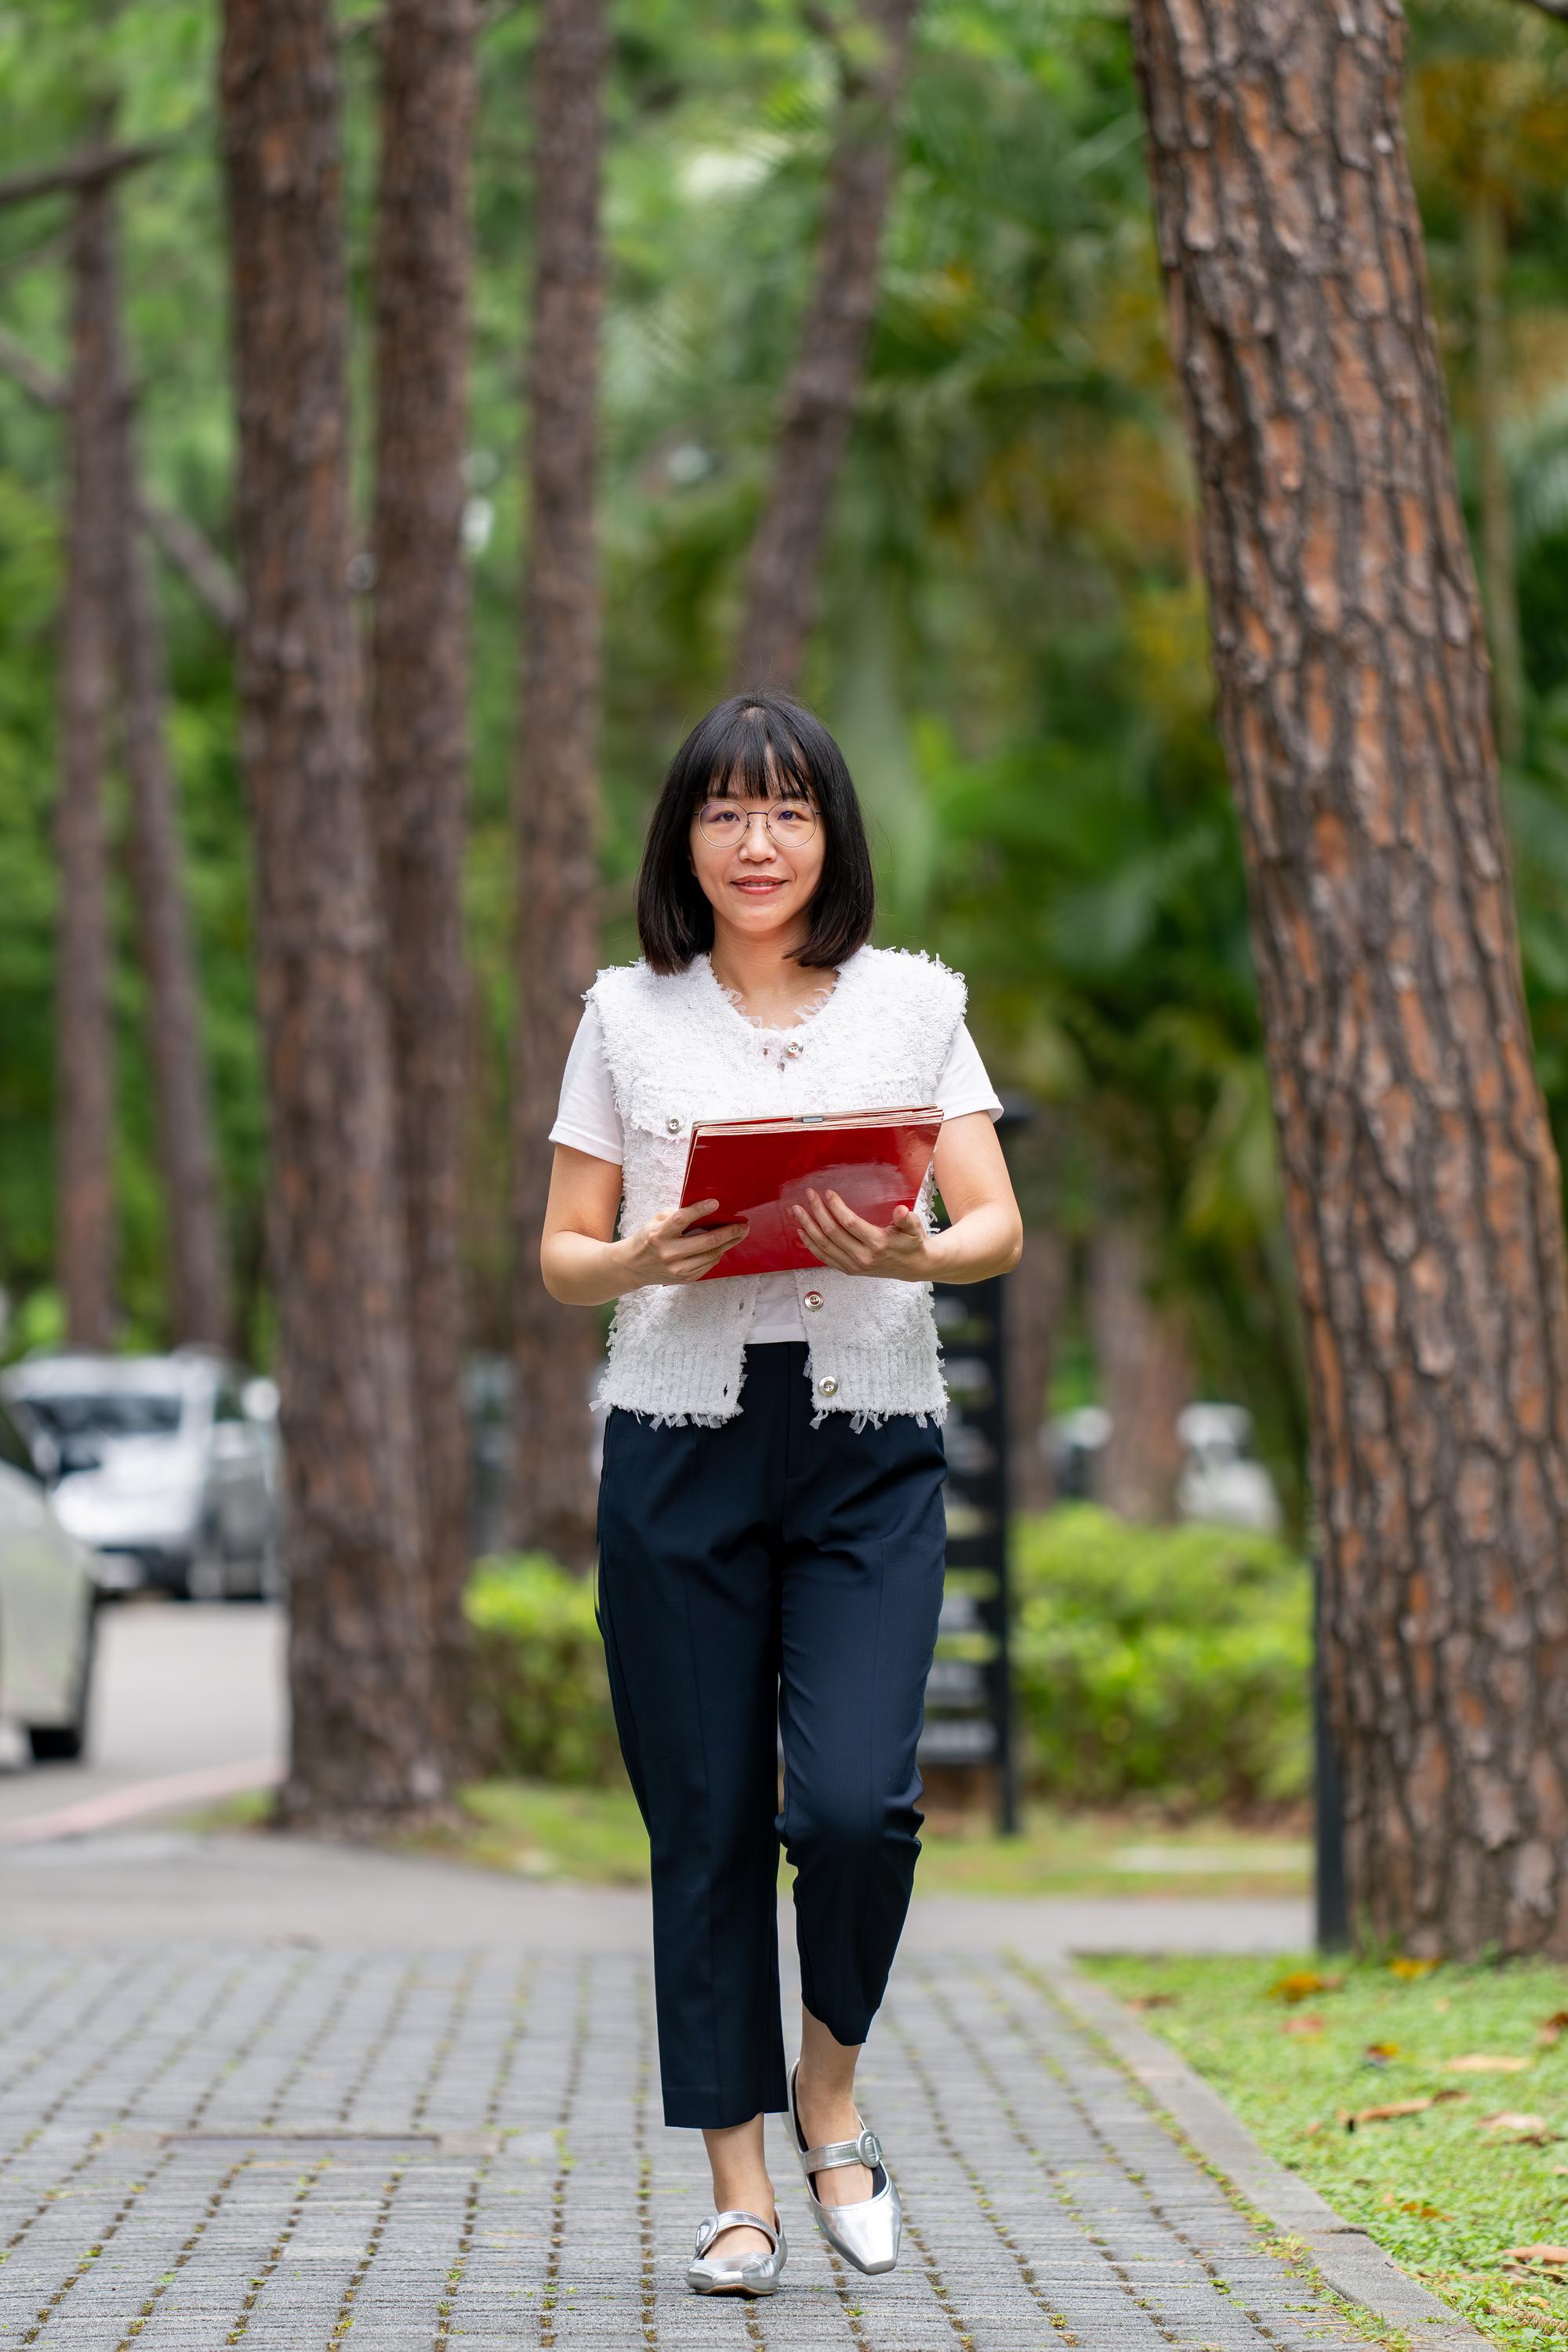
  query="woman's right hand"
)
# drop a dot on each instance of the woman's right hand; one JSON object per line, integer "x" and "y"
{"x": 662, "y": 1251}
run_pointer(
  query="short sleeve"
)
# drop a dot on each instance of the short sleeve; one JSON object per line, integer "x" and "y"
{"x": 586, "y": 1117}
{"x": 964, "y": 1084}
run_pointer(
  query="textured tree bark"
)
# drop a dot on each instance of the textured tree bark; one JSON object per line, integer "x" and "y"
{"x": 186, "y": 547}
{"x": 1036, "y": 1295}
{"x": 359, "y": 1661}
{"x": 198, "y": 1305}
{"x": 1421, "y": 1184}
{"x": 557, "y": 790}
{"x": 1146, "y": 1377}
{"x": 419, "y": 734}
{"x": 84, "y": 1077}
{"x": 784, "y": 569}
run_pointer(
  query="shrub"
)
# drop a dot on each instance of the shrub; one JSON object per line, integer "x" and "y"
{"x": 542, "y": 1701}
{"x": 1170, "y": 1660}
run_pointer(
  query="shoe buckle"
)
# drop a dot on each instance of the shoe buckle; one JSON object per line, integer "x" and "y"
{"x": 869, "y": 2148}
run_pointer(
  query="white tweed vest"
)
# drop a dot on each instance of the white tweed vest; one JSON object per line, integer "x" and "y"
{"x": 679, "y": 1049}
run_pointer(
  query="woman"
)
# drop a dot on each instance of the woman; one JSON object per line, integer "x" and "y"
{"x": 771, "y": 1562}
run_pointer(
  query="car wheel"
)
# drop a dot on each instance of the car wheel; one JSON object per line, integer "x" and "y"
{"x": 66, "y": 1743}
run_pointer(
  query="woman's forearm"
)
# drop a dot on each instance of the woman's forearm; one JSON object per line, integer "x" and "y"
{"x": 988, "y": 1241}
{"x": 581, "y": 1272}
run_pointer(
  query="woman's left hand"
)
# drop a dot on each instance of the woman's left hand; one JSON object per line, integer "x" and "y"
{"x": 833, "y": 1233}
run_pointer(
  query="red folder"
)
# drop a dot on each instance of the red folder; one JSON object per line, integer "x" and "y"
{"x": 758, "y": 1168}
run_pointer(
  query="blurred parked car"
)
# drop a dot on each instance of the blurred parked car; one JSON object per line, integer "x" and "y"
{"x": 165, "y": 1466}
{"x": 1220, "y": 1480}
{"x": 48, "y": 1608}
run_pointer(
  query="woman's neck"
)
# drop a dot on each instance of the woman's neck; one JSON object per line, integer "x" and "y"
{"x": 765, "y": 974}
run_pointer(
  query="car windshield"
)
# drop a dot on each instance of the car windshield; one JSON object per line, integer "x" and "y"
{"x": 119, "y": 1412}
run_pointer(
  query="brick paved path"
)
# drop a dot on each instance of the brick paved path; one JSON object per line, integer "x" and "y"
{"x": 202, "y": 2145}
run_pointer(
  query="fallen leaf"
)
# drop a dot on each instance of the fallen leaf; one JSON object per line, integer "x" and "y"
{"x": 1414, "y": 2205}
{"x": 1555, "y": 2255}
{"x": 1408, "y": 1970}
{"x": 1552, "y": 2027}
{"x": 1151, "y": 2001}
{"x": 1484, "y": 2062}
{"x": 1306, "y": 2020}
{"x": 1378, "y": 2054}
{"x": 1518, "y": 2127}
{"x": 1301, "y": 1983}
{"x": 1313, "y": 2130}
{"x": 1394, "y": 2107}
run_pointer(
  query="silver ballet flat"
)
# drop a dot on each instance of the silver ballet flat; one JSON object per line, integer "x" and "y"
{"x": 868, "y": 2232}
{"x": 737, "y": 2273}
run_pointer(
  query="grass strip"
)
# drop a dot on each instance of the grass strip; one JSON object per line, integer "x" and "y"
{"x": 1469, "y": 2164}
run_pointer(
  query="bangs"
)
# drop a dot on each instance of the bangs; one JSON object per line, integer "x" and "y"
{"x": 757, "y": 758}
{"x": 756, "y": 746}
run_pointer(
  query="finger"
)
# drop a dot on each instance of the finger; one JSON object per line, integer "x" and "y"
{"x": 857, "y": 1252}
{"x": 827, "y": 1251}
{"x": 707, "y": 1245}
{"x": 679, "y": 1217}
{"x": 845, "y": 1216}
{"x": 816, "y": 1214}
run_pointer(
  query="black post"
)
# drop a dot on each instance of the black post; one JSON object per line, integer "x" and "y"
{"x": 969, "y": 1699}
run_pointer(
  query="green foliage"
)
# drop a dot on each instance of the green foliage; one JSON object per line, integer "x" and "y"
{"x": 542, "y": 1700}
{"x": 1169, "y": 1660}
{"x": 1013, "y": 641}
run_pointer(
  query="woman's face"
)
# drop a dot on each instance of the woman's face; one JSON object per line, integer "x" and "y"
{"x": 760, "y": 883}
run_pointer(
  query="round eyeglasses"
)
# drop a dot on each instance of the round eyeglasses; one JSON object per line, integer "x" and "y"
{"x": 727, "y": 824}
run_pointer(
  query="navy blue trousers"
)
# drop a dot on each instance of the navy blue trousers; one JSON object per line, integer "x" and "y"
{"x": 758, "y": 1580}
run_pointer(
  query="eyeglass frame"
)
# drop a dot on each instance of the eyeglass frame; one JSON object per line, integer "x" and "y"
{"x": 781, "y": 802}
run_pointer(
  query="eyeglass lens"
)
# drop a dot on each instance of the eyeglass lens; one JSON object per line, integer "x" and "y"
{"x": 785, "y": 819}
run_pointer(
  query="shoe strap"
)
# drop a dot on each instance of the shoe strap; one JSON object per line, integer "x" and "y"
{"x": 867, "y": 2150}
{"x": 708, "y": 2231}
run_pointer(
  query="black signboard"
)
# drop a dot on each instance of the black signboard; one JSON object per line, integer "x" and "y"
{"x": 968, "y": 1709}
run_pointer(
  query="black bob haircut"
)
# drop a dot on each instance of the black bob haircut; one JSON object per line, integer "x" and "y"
{"x": 729, "y": 753}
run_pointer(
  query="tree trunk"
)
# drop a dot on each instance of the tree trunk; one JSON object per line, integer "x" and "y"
{"x": 198, "y": 1304}
{"x": 84, "y": 1075}
{"x": 187, "y": 547}
{"x": 783, "y": 571}
{"x": 556, "y": 793}
{"x": 1145, "y": 1373}
{"x": 359, "y": 1665}
{"x": 1421, "y": 1184}
{"x": 419, "y": 739}
{"x": 1487, "y": 255}
{"x": 1037, "y": 1295}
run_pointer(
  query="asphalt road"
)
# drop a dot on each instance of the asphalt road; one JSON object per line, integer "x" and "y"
{"x": 187, "y": 1693}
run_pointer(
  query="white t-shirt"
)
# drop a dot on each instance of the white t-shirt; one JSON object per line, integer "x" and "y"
{"x": 588, "y": 1119}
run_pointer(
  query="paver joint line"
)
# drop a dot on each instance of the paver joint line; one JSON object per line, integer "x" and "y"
{"x": 1359, "y": 2271}
{"x": 422, "y": 2150}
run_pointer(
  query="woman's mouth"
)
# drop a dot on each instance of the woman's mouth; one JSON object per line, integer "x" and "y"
{"x": 757, "y": 889}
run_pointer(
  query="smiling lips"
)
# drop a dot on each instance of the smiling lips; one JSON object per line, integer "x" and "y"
{"x": 759, "y": 887}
